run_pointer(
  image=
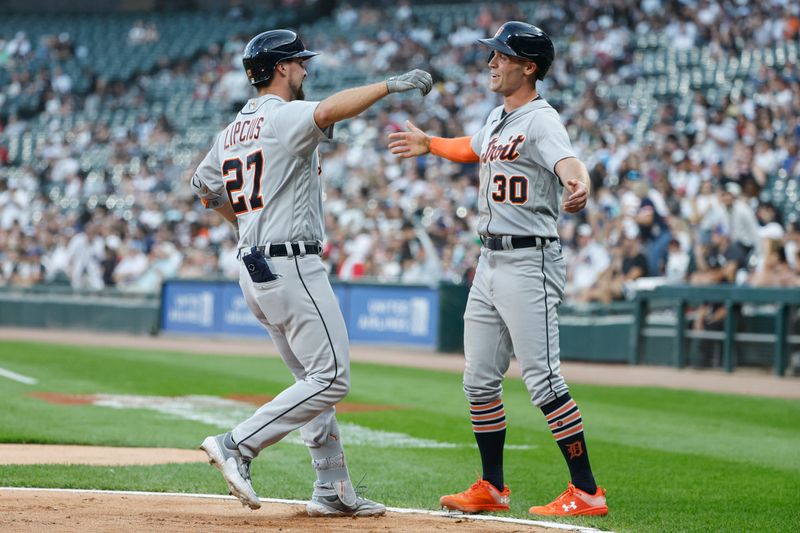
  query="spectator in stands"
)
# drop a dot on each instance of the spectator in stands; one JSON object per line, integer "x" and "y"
{"x": 199, "y": 264}
{"x": 677, "y": 262}
{"x": 767, "y": 213}
{"x": 8, "y": 265}
{"x": 590, "y": 261}
{"x": 739, "y": 218}
{"x": 151, "y": 34}
{"x": 137, "y": 34}
{"x": 653, "y": 227}
{"x": 628, "y": 264}
{"x": 792, "y": 246}
{"x": 718, "y": 261}
{"x": 791, "y": 163}
{"x": 56, "y": 260}
{"x": 233, "y": 88}
{"x": 765, "y": 162}
{"x": 82, "y": 145}
{"x": 86, "y": 250}
{"x": 164, "y": 263}
{"x": 132, "y": 265}
{"x": 774, "y": 270}
{"x": 108, "y": 265}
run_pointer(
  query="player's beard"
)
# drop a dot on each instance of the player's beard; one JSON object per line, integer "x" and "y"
{"x": 298, "y": 93}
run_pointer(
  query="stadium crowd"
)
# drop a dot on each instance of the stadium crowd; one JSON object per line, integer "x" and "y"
{"x": 682, "y": 200}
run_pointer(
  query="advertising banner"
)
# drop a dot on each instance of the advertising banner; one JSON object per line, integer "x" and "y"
{"x": 396, "y": 315}
{"x": 373, "y": 313}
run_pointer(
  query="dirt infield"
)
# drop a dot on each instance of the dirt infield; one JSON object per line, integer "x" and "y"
{"x": 37, "y": 511}
{"x": 35, "y": 454}
{"x": 29, "y": 510}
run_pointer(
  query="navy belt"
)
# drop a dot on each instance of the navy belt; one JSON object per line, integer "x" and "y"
{"x": 507, "y": 242}
{"x": 287, "y": 249}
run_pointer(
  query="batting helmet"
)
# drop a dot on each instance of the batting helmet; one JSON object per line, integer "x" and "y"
{"x": 266, "y": 50}
{"x": 519, "y": 39}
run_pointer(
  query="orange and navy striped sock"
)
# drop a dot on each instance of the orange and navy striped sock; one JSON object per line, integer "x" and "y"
{"x": 566, "y": 424}
{"x": 489, "y": 425}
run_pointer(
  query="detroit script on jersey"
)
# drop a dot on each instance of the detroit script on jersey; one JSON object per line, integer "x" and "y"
{"x": 520, "y": 192}
{"x": 504, "y": 152}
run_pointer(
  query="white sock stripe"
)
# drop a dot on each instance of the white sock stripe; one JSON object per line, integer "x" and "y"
{"x": 566, "y": 427}
{"x": 489, "y": 429}
{"x": 491, "y": 416}
{"x": 561, "y": 410}
{"x": 570, "y": 432}
{"x": 555, "y": 425}
{"x": 489, "y": 423}
{"x": 484, "y": 406}
{"x": 566, "y": 414}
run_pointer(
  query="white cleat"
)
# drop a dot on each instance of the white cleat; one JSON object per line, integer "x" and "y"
{"x": 327, "y": 501}
{"x": 234, "y": 468}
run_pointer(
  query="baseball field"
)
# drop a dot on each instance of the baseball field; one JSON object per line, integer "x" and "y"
{"x": 670, "y": 460}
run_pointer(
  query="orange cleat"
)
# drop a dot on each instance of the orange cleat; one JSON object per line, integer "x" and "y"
{"x": 481, "y": 496}
{"x": 575, "y": 502}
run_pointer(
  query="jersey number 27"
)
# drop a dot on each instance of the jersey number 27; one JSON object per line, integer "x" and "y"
{"x": 235, "y": 167}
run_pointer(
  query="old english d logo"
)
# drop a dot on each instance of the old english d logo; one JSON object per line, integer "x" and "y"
{"x": 575, "y": 449}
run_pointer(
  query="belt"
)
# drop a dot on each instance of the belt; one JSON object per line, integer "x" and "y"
{"x": 286, "y": 249}
{"x": 507, "y": 242}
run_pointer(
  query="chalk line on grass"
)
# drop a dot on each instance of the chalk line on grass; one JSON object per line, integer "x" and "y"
{"x": 18, "y": 377}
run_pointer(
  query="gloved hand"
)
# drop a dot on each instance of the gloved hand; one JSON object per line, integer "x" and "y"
{"x": 416, "y": 79}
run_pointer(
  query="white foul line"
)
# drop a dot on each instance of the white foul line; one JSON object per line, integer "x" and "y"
{"x": 486, "y": 518}
{"x": 17, "y": 377}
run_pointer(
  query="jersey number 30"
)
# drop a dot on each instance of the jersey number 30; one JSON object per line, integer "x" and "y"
{"x": 234, "y": 184}
{"x": 514, "y": 188}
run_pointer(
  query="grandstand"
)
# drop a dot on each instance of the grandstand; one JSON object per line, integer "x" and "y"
{"x": 100, "y": 122}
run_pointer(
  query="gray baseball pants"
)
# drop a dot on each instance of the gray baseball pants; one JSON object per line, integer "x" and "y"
{"x": 513, "y": 310}
{"x": 301, "y": 314}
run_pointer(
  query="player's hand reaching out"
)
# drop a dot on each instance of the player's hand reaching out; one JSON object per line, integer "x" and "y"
{"x": 575, "y": 196}
{"x": 416, "y": 79}
{"x": 411, "y": 143}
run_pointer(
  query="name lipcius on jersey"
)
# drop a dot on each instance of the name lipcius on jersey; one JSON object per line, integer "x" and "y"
{"x": 241, "y": 131}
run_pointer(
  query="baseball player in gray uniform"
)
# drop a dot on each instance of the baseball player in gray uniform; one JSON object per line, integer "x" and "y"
{"x": 526, "y": 165}
{"x": 263, "y": 175}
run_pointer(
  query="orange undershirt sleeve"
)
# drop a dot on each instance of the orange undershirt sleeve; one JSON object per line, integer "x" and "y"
{"x": 458, "y": 149}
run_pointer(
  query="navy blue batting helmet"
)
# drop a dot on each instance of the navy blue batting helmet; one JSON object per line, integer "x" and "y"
{"x": 526, "y": 41}
{"x": 266, "y": 50}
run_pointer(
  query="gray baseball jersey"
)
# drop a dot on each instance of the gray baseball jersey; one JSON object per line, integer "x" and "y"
{"x": 267, "y": 163}
{"x": 520, "y": 192}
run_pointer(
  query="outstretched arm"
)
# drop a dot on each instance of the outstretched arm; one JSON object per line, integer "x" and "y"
{"x": 416, "y": 142}
{"x": 575, "y": 177}
{"x": 351, "y": 102}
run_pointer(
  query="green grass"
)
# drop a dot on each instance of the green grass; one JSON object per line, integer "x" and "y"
{"x": 670, "y": 460}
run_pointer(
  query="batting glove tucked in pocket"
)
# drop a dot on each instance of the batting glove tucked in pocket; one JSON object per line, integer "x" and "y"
{"x": 257, "y": 267}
